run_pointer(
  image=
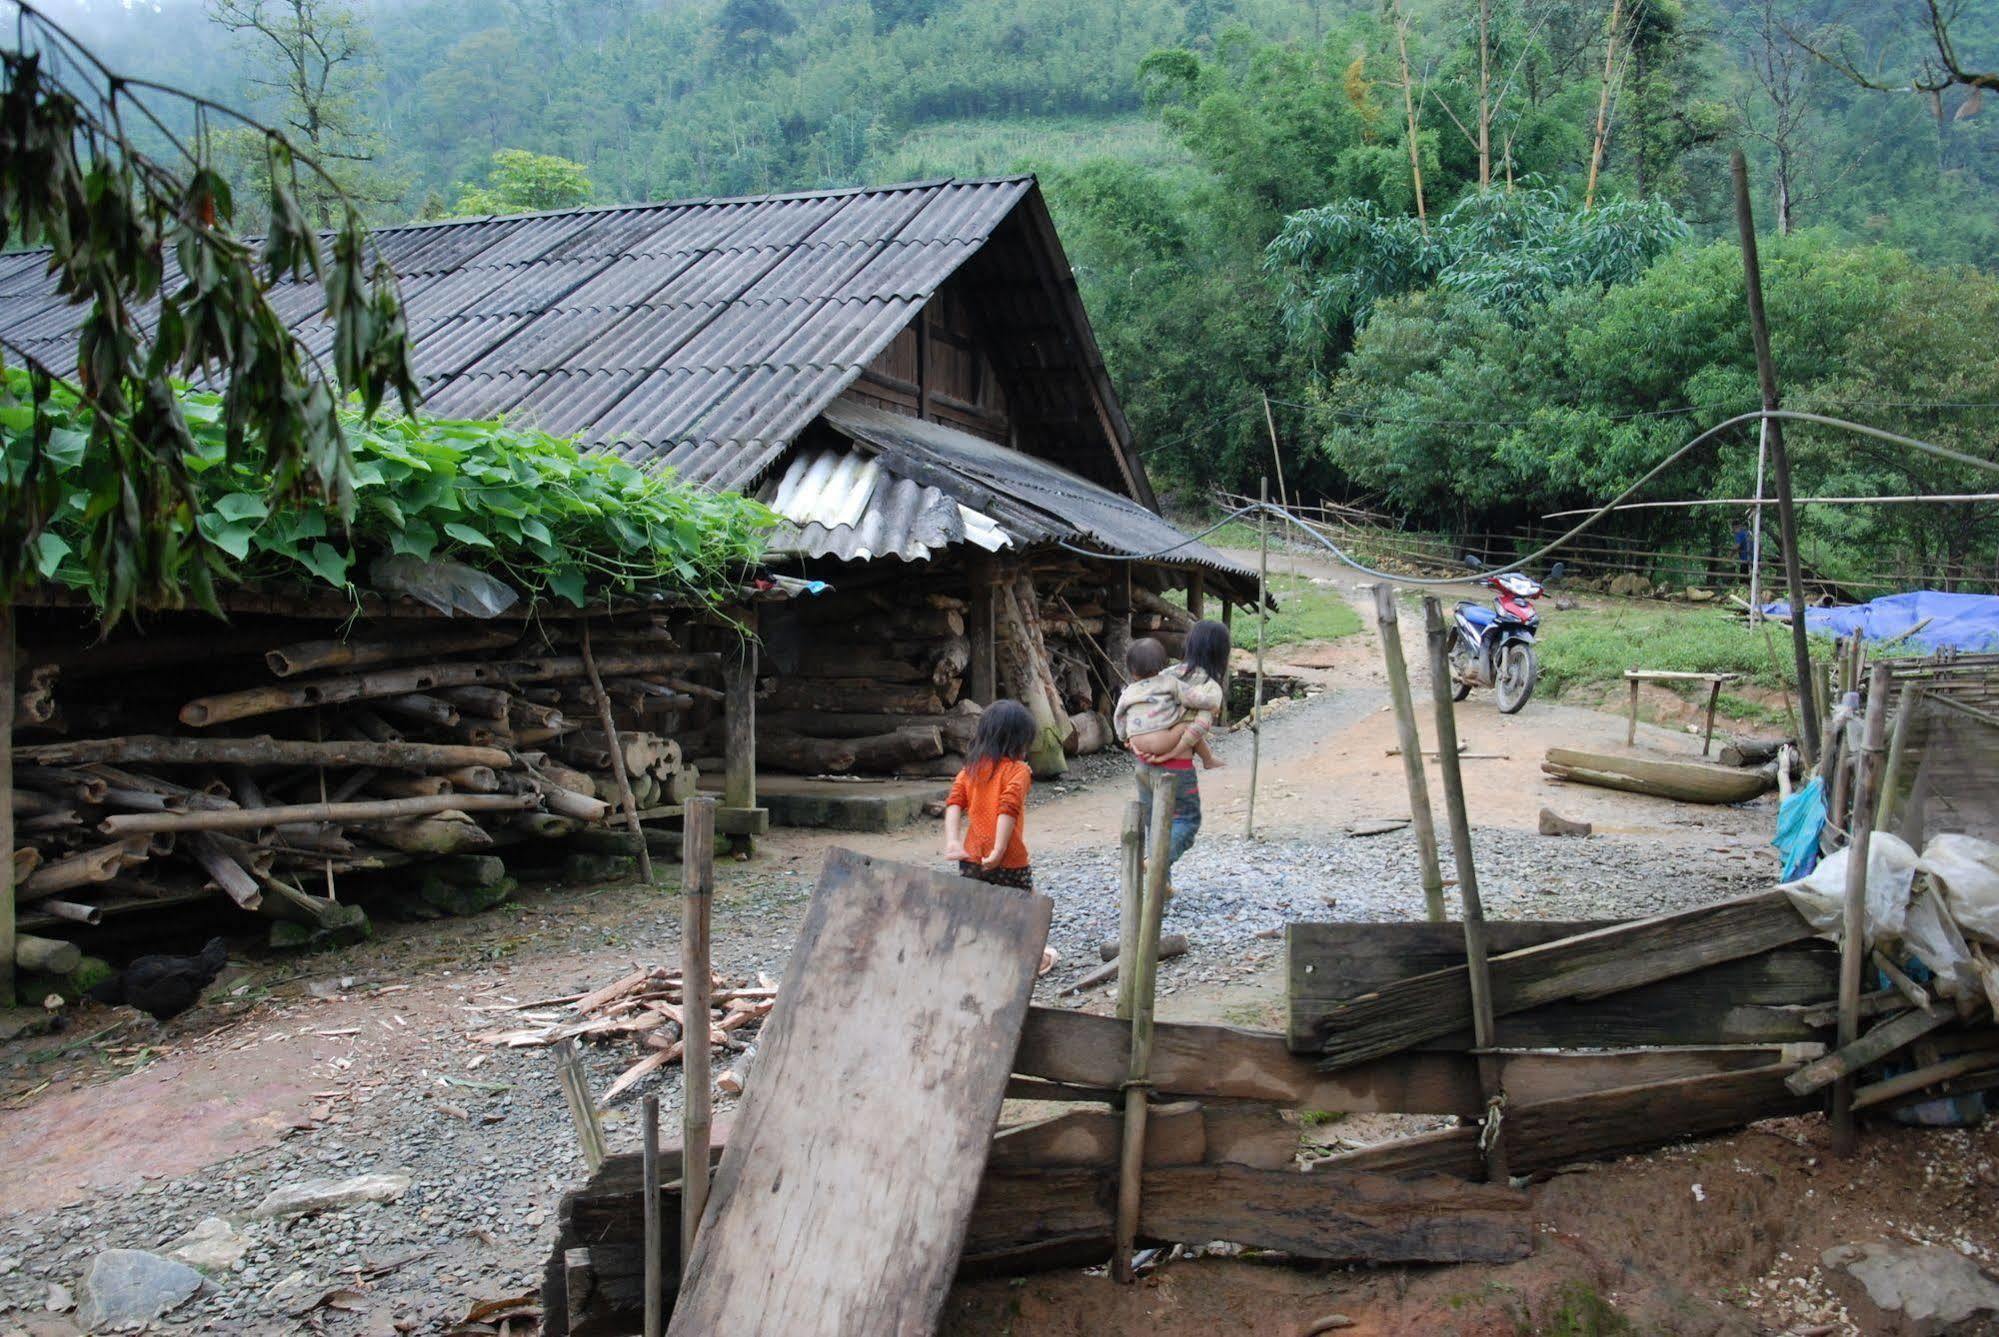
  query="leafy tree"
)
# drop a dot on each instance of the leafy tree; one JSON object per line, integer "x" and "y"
{"x": 1510, "y": 251}
{"x": 524, "y": 182}
{"x": 749, "y": 30}
{"x": 317, "y": 71}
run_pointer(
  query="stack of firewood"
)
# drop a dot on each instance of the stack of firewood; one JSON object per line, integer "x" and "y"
{"x": 646, "y": 1005}
{"x": 313, "y": 760}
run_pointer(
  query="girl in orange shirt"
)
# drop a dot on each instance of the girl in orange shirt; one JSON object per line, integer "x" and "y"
{"x": 991, "y": 793}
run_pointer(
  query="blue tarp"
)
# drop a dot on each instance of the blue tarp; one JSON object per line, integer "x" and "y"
{"x": 1956, "y": 621}
{"x": 1800, "y": 818}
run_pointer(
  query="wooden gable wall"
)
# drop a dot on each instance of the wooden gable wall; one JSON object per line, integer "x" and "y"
{"x": 938, "y": 369}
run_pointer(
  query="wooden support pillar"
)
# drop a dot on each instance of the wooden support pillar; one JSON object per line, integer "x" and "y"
{"x": 1420, "y": 819}
{"x": 741, "y": 816}
{"x": 1131, "y": 881}
{"x": 1117, "y": 620}
{"x": 1197, "y": 595}
{"x": 1141, "y": 973}
{"x": 1484, "y": 1033}
{"x": 923, "y": 362}
{"x": 655, "y": 1229}
{"x": 983, "y": 672}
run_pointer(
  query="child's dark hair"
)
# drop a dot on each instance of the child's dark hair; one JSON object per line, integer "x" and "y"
{"x": 1005, "y": 733}
{"x": 1145, "y": 658}
{"x": 1208, "y": 649}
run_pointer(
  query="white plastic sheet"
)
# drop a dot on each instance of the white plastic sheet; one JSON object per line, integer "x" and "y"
{"x": 1967, "y": 869}
{"x": 1820, "y": 895}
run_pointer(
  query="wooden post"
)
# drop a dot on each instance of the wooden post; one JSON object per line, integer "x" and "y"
{"x": 1483, "y": 1030}
{"x": 697, "y": 861}
{"x": 739, "y": 721}
{"x": 1141, "y": 971}
{"x": 576, "y": 1091}
{"x": 1780, "y": 459}
{"x": 1277, "y": 459}
{"x": 1898, "y": 742}
{"x": 1713, "y": 699}
{"x": 1117, "y": 620}
{"x": 1262, "y": 622}
{"x": 1631, "y": 722}
{"x": 1131, "y": 880}
{"x": 982, "y": 674}
{"x": 619, "y": 774}
{"x": 6, "y": 805}
{"x": 1197, "y": 595}
{"x": 655, "y": 1235}
{"x": 1412, "y": 751}
{"x": 1853, "y": 928}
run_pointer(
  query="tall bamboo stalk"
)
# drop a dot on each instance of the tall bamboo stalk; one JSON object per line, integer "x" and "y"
{"x": 1484, "y": 1031}
{"x": 1143, "y": 972}
{"x": 1853, "y": 927}
{"x": 1603, "y": 104}
{"x": 1262, "y": 624}
{"x": 1409, "y": 110}
{"x": 697, "y": 854}
{"x": 1420, "y": 819}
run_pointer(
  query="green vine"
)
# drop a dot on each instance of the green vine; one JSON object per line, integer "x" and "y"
{"x": 521, "y": 504}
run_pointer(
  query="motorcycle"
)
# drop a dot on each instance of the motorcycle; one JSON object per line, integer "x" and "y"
{"x": 1494, "y": 647}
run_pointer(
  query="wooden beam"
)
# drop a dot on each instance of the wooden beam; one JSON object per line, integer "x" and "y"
{"x": 1545, "y": 1135}
{"x": 1642, "y": 951}
{"x": 739, "y": 723}
{"x": 982, "y": 672}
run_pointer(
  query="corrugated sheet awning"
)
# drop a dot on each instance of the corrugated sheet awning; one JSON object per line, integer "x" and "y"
{"x": 911, "y": 487}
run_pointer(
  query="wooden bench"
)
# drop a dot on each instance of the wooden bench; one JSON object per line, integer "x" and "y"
{"x": 1714, "y": 683}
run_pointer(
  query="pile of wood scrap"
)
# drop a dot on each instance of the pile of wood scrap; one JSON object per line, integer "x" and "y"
{"x": 155, "y": 771}
{"x": 644, "y": 1005}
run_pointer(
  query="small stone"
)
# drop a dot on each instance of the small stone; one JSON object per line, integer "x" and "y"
{"x": 133, "y": 1286}
{"x": 323, "y": 1195}
{"x": 213, "y": 1246}
{"x": 59, "y": 1299}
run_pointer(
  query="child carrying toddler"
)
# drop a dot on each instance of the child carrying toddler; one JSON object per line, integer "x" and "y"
{"x": 1166, "y": 713}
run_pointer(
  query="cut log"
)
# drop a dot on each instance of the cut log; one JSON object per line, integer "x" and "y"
{"x": 1174, "y": 616}
{"x": 569, "y": 803}
{"x": 231, "y": 877}
{"x": 1660, "y": 777}
{"x": 72, "y": 911}
{"x": 1023, "y": 670}
{"x": 305, "y": 656}
{"x": 374, "y": 810}
{"x": 81, "y": 869}
{"x": 447, "y": 832}
{"x": 1170, "y": 945}
{"x": 1545, "y": 1135}
{"x": 159, "y": 750}
{"x": 855, "y": 694}
{"x": 491, "y": 703}
{"x": 410, "y": 786}
{"x": 45, "y": 956}
{"x": 1604, "y": 961}
{"x": 421, "y": 707}
{"x": 1751, "y": 751}
{"x": 206, "y": 711}
{"x": 1092, "y": 733}
{"x": 473, "y": 779}
{"x": 958, "y": 727}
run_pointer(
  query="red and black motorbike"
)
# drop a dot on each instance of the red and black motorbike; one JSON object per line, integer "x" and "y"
{"x": 1494, "y": 647}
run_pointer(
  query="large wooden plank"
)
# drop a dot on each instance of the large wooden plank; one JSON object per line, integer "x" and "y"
{"x": 1604, "y": 961}
{"x": 856, "y": 1154}
{"x": 1750, "y": 1000}
{"x": 1547, "y": 1134}
{"x": 1181, "y": 1132}
{"x": 1353, "y": 1217}
{"x": 1090, "y": 1052}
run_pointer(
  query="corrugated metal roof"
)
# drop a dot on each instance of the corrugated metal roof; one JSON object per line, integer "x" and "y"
{"x": 703, "y": 334}
{"x": 907, "y": 479}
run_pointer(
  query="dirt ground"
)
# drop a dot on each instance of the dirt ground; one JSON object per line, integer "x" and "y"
{"x": 118, "y": 1133}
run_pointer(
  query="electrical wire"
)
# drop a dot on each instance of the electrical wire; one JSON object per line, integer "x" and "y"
{"x": 1253, "y": 508}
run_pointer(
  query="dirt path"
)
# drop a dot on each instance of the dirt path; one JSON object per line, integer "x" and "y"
{"x": 361, "y": 1060}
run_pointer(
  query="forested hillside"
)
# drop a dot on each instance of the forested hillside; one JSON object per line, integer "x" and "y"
{"x": 1475, "y": 252}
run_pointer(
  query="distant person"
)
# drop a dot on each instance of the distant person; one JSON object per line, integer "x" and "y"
{"x": 985, "y": 816}
{"x": 1164, "y": 714}
{"x": 1206, "y": 660}
{"x": 1745, "y": 543}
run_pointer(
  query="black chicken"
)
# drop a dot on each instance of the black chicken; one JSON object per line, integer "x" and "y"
{"x": 165, "y": 986}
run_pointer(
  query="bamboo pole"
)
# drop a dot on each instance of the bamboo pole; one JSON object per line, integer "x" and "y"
{"x": 655, "y": 1236}
{"x": 576, "y": 1091}
{"x": 7, "y": 939}
{"x": 263, "y": 750}
{"x": 1420, "y": 818}
{"x": 1142, "y": 973}
{"x": 373, "y": 810}
{"x": 1780, "y": 459}
{"x": 1853, "y": 927}
{"x": 1483, "y": 1030}
{"x": 1131, "y": 880}
{"x": 1602, "y": 105}
{"x": 697, "y": 858}
{"x": 619, "y": 775}
{"x": 1262, "y": 622}
{"x": 1409, "y": 110}
{"x": 1898, "y": 743}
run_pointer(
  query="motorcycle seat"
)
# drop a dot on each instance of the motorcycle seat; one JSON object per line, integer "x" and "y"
{"x": 1477, "y": 614}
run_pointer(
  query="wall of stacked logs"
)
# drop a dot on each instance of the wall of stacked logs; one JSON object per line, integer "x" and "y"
{"x": 299, "y": 770}
{"x": 887, "y": 673}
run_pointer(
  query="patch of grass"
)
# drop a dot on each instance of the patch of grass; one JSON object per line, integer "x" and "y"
{"x": 1320, "y": 1118}
{"x": 1735, "y": 707}
{"x": 1593, "y": 645}
{"x": 1581, "y": 1312}
{"x": 1306, "y": 612}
